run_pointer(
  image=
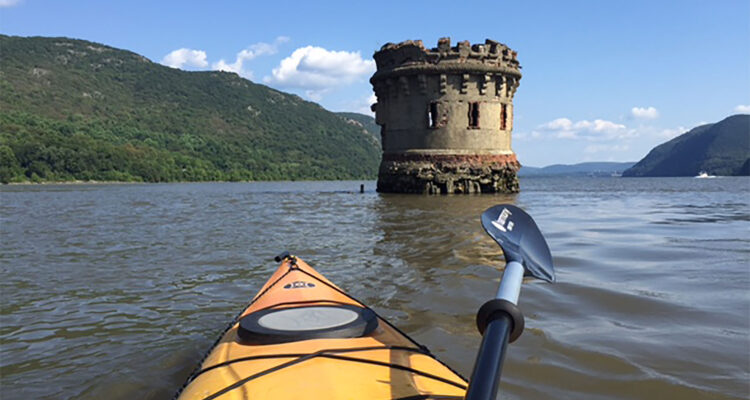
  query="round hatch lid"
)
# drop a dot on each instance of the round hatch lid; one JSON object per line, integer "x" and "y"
{"x": 310, "y": 322}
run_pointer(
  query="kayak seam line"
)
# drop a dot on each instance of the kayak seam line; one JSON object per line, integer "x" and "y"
{"x": 291, "y": 355}
{"x": 322, "y": 353}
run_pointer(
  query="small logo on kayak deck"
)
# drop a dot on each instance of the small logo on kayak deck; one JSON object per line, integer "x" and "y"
{"x": 299, "y": 285}
{"x": 501, "y": 219}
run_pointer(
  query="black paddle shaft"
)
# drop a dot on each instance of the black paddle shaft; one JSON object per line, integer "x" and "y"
{"x": 484, "y": 379}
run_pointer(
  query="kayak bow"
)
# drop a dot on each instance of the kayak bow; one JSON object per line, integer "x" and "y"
{"x": 303, "y": 337}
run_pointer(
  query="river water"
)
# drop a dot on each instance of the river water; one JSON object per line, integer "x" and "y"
{"x": 116, "y": 291}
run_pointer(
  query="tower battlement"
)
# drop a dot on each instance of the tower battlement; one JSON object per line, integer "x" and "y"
{"x": 446, "y": 116}
{"x": 491, "y": 56}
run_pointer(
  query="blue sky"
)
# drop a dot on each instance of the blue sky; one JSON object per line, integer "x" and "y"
{"x": 603, "y": 80}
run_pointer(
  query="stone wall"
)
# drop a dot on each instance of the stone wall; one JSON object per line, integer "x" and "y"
{"x": 451, "y": 107}
{"x": 448, "y": 174}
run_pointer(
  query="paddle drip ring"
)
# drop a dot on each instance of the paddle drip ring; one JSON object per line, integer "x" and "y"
{"x": 489, "y": 310}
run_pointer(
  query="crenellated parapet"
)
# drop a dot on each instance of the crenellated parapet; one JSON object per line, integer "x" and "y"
{"x": 491, "y": 67}
{"x": 446, "y": 103}
{"x": 412, "y": 58}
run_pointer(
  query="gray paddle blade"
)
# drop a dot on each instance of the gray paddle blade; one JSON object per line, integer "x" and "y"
{"x": 520, "y": 238}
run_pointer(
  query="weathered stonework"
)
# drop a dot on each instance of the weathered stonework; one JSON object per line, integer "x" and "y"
{"x": 446, "y": 116}
{"x": 442, "y": 174}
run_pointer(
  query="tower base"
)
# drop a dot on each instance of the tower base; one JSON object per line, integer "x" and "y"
{"x": 447, "y": 174}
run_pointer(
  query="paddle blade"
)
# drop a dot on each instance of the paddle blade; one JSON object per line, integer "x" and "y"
{"x": 520, "y": 238}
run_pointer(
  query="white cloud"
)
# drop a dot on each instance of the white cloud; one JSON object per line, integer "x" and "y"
{"x": 560, "y": 123}
{"x": 9, "y": 3}
{"x": 185, "y": 57}
{"x": 526, "y": 136}
{"x": 566, "y": 135}
{"x": 598, "y": 129}
{"x": 317, "y": 70}
{"x": 742, "y": 109}
{"x": 250, "y": 53}
{"x": 599, "y": 125}
{"x": 644, "y": 112}
{"x": 671, "y": 133}
{"x": 364, "y": 105}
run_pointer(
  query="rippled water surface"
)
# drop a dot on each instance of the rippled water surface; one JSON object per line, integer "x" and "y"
{"x": 115, "y": 291}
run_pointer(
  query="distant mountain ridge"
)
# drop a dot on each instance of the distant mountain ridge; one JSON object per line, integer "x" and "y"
{"x": 77, "y": 110}
{"x": 597, "y": 169}
{"x": 722, "y": 148}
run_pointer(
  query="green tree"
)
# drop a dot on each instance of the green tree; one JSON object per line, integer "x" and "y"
{"x": 9, "y": 167}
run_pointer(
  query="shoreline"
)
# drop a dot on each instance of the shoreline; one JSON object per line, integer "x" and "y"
{"x": 111, "y": 182}
{"x": 28, "y": 183}
{"x": 68, "y": 183}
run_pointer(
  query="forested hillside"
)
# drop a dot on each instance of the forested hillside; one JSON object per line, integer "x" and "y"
{"x": 365, "y": 121}
{"x": 722, "y": 148}
{"x": 77, "y": 110}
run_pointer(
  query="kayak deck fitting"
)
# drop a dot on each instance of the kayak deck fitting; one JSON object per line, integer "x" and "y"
{"x": 302, "y": 337}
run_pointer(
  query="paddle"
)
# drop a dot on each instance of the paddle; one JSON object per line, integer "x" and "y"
{"x": 500, "y": 320}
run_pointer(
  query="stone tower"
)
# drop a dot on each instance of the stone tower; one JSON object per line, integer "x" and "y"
{"x": 446, "y": 116}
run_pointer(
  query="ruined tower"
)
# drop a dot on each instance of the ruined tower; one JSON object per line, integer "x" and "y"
{"x": 446, "y": 116}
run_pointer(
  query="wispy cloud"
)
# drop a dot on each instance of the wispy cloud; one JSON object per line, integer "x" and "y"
{"x": 317, "y": 70}
{"x": 9, "y": 3}
{"x": 364, "y": 105}
{"x": 742, "y": 109}
{"x": 598, "y": 129}
{"x": 185, "y": 57}
{"x": 250, "y": 53}
{"x": 526, "y": 136}
{"x": 671, "y": 133}
{"x": 644, "y": 112}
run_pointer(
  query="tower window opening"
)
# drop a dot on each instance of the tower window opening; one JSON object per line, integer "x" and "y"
{"x": 432, "y": 115}
{"x": 474, "y": 115}
{"x": 503, "y": 116}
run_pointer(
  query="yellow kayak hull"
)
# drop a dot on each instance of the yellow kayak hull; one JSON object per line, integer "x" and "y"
{"x": 384, "y": 363}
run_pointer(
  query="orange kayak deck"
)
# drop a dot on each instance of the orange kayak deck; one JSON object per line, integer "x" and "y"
{"x": 382, "y": 363}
